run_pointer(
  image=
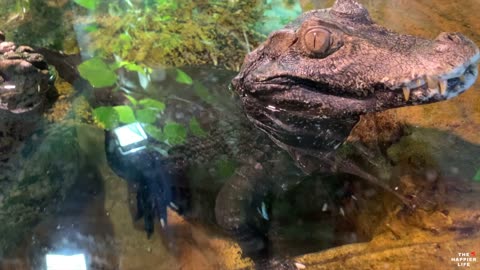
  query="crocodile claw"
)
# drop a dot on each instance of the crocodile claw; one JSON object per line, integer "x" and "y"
{"x": 277, "y": 264}
{"x": 153, "y": 198}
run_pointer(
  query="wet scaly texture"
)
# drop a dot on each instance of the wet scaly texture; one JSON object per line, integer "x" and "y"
{"x": 443, "y": 144}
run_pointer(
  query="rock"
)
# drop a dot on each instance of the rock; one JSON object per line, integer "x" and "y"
{"x": 24, "y": 88}
{"x": 24, "y": 79}
{"x": 38, "y": 179}
{"x": 421, "y": 240}
{"x": 7, "y": 47}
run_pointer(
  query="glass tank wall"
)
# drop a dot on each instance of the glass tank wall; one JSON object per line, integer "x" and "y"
{"x": 155, "y": 134}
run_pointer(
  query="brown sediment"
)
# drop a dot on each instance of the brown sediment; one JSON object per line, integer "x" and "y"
{"x": 422, "y": 240}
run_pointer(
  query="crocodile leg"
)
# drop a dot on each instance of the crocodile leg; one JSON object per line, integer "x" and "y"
{"x": 237, "y": 212}
{"x": 349, "y": 167}
{"x": 329, "y": 164}
{"x": 153, "y": 197}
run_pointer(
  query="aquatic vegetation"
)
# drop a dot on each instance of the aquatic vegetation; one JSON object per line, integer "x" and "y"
{"x": 171, "y": 33}
{"x": 146, "y": 111}
{"x": 182, "y": 77}
{"x": 477, "y": 176}
{"x": 30, "y": 22}
{"x": 152, "y": 33}
{"x": 88, "y": 4}
{"x": 172, "y": 133}
{"x": 97, "y": 72}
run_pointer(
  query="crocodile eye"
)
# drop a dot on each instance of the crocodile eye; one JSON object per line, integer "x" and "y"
{"x": 317, "y": 40}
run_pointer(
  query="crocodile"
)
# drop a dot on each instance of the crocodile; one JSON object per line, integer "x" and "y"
{"x": 296, "y": 98}
{"x": 308, "y": 84}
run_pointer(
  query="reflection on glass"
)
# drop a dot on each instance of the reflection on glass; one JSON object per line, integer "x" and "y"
{"x": 131, "y": 138}
{"x": 66, "y": 262}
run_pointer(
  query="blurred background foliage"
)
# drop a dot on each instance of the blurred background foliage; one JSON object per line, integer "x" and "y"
{"x": 152, "y": 32}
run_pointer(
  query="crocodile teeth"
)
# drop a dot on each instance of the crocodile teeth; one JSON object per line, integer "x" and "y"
{"x": 443, "y": 87}
{"x": 406, "y": 93}
{"x": 419, "y": 82}
{"x": 300, "y": 266}
{"x": 432, "y": 83}
{"x": 162, "y": 222}
{"x": 174, "y": 206}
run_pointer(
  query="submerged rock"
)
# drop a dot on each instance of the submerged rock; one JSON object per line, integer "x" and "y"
{"x": 24, "y": 78}
{"x": 39, "y": 179}
{"x": 24, "y": 94}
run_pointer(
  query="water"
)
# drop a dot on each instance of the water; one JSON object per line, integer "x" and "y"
{"x": 60, "y": 196}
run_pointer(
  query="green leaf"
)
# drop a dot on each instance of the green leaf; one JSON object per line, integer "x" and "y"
{"x": 125, "y": 37}
{"x": 152, "y": 104}
{"x": 476, "y": 178}
{"x": 130, "y": 66}
{"x": 201, "y": 91}
{"x": 125, "y": 114}
{"x": 154, "y": 132}
{"x": 132, "y": 100}
{"x": 163, "y": 152}
{"x": 183, "y": 77}
{"x": 91, "y": 28}
{"x": 225, "y": 168}
{"x": 174, "y": 133}
{"x": 106, "y": 116}
{"x": 88, "y": 4}
{"x": 196, "y": 129}
{"x": 147, "y": 116}
{"x": 97, "y": 73}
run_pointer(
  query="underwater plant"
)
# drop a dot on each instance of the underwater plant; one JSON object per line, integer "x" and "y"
{"x": 477, "y": 176}
{"x": 88, "y": 4}
{"x": 146, "y": 34}
{"x": 145, "y": 110}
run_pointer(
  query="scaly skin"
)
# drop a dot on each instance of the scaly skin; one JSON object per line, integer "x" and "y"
{"x": 308, "y": 84}
{"x": 262, "y": 171}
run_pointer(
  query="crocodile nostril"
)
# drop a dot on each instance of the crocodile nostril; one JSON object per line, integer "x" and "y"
{"x": 450, "y": 37}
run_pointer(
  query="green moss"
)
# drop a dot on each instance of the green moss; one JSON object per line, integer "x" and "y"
{"x": 38, "y": 23}
{"x": 181, "y": 33}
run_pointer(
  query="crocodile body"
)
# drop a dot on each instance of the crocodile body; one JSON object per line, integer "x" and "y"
{"x": 192, "y": 179}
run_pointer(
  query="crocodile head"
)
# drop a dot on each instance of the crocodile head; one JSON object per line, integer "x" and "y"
{"x": 307, "y": 84}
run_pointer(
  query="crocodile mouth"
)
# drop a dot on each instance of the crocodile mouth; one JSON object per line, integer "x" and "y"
{"x": 308, "y": 97}
{"x": 445, "y": 86}
{"x": 418, "y": 90}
